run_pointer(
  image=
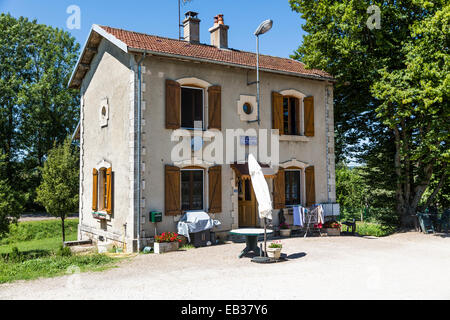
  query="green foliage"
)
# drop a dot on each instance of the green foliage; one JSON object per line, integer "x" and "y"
{"x": 36, "y": 107}
{"x": 411, "y": 49}
{"x": 351, "y": 190}
{"x": 51, "y": 266}
{"x": 10, "y": 200}
{"x": 38, "y": 230}
{"x": 63, "y": 251}
{"x": 372, "y": 229}
{"x": 58, "y": 192}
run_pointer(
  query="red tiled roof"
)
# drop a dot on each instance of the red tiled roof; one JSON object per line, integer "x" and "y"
{"x": 140, "y": 41}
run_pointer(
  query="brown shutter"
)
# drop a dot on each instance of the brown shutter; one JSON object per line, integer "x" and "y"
{"x": 279, "y": 195}
{"x": 109, "y": 190}
{"x": 277, "y": 111}
{"x": 297, "y": 116}
{"x": 94, "y": 189}
{"x": 308, "y": 104}
{"x": 172, "y": 194}
{"x": 310, "y": 186}
{"x": 215, "y": 189}
{"x": 215, "y": 107}
{"x": 173, "y": 105}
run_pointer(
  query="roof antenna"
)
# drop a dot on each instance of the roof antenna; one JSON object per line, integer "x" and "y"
{"x": 180, "y": 25}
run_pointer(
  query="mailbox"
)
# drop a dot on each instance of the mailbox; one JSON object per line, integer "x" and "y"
{"x": 155, "y": 216}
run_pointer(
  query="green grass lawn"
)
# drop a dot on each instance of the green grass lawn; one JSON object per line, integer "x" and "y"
{"x": 38, "y": 244}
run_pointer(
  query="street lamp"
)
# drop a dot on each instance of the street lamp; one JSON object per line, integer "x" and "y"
{"x": 262, "y": 28}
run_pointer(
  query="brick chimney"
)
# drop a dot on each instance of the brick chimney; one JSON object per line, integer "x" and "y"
{"x": 191, "y": 26}
{"x": 219, "y": 32}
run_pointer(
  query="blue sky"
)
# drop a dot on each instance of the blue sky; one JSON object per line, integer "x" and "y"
{"x": 159, "y": 17}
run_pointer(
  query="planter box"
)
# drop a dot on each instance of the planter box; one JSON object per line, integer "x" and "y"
{"x": 285, "y": 232}
{"x": 274, "y": 253}
{"x": 165, "y": 247}
{"x": 332, "y": 231}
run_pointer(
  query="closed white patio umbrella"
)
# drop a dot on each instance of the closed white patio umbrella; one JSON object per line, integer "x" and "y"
{"x": 262, "y": 193}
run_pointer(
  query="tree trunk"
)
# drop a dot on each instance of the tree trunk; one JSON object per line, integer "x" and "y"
{"x": 63, "y": 230}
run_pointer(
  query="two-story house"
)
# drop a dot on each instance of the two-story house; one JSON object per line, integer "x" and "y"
{"x": 138, "y": 91}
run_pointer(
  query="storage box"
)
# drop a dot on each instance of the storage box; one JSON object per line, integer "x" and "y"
{"x": 199, "y": 239}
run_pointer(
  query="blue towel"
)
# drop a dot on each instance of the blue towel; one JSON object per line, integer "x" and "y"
{"x": 298, "y": 221}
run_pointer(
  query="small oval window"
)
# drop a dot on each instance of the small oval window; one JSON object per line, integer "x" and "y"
{"x": 247, "y": 107}
{"x": 103, "y": 111}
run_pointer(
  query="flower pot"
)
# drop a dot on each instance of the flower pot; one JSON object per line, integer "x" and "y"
{"x": 161, "y": 247}
{"x": 274, "y": 253}
{"x": 285, "y": 232}
{"x": 332, "y": 231}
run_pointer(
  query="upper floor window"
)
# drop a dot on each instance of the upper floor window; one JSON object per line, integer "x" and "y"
{"x": 291, "y": 116}
{"x": 191, "y": 108}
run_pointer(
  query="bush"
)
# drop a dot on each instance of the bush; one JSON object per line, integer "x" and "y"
{"x": 64, "y": 251}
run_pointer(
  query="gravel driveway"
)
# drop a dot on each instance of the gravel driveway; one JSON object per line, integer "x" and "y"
{"x": 403, "y": 266}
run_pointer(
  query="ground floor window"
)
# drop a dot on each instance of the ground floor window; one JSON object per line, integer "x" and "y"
{"x": 292, "y": 187}
{"x": 192, "y": 189}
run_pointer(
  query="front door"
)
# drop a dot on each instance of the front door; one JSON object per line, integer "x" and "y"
{"x": 246, "y": 204}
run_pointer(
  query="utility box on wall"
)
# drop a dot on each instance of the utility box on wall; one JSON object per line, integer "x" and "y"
{"x": 155, "y": 216}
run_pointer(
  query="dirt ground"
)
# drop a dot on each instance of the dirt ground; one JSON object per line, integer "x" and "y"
{"x": 403, "y": 266}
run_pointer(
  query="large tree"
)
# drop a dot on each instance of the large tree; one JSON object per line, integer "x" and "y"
{"x": 36, "y": 107}
{"x": 416, "y": 108}
{"x": 340, "y": 42}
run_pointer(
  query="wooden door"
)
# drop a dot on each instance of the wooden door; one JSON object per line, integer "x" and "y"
{"x": 246, "y": 204}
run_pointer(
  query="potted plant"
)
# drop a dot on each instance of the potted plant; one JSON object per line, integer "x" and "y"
{"x": 285, "y": 231}
{"x": 332, "y": 228}
{"x": 167, "y": 241}
{"x": 274, "y": 250}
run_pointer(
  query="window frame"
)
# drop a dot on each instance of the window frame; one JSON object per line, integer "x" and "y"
{"x": 204, "y": 199}
{"x": 102, "y": 190}
{"x": 300, "y": 188}
{"x": 203, "y": 106}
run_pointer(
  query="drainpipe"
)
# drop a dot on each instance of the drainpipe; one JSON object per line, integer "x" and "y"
{"x": 139, "y": 131}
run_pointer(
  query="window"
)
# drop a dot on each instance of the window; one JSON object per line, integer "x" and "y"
{"x": 102, "y": 190}
{"x": 192, "y": 189}
{"x": 292, "y": 187}
{"x": 291, "y": 116}
{"x": 191, "y": 107}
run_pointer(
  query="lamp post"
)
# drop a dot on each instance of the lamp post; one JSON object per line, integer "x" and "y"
{"x": 262, "y": 28}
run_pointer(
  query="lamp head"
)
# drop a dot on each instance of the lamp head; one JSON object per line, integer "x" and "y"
{"x": 264, "y": 27}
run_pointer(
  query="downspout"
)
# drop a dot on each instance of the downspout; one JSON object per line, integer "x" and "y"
{"x": 139, "y": 132}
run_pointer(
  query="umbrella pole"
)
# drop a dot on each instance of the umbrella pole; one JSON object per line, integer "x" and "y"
{"x": 265, "y": 238}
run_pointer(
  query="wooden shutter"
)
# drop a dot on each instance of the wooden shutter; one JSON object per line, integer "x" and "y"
{"x": 310, "y": 186}
{"x": 279, "y": 195}
{"x": 94, "y": 189}
{"x": 215, "y": 189}
{"x": 109, "y": 190}
{"x": 173, "y": 105}
{"x": 297, "y": 116}
{"x": 277, "y": 112}
{"x": 308, "y": 104}
{"x": 172, "y": 191}
{"x": 215, "y": 107}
